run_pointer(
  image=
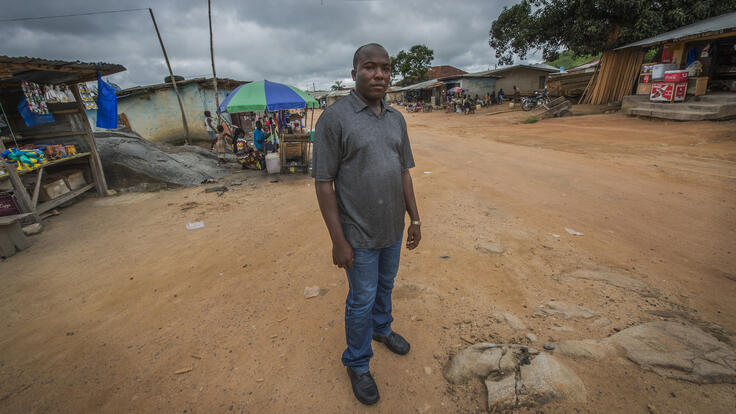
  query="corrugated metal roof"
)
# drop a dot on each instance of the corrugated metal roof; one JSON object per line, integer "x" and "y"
{"x": 421, "y": 85}
{"x": 16, "y": 69}
{"x": 723, "y": 23}
{"x": 496, "y": 73}
{"x": 207, "y": 82}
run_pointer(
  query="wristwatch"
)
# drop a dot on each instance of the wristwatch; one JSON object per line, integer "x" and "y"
{"x": 417, "y": 222}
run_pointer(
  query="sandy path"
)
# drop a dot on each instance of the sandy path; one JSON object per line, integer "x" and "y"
{"x": 116, "y": 295}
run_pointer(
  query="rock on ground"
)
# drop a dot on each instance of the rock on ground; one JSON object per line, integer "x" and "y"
{"x": 511, "y": 320}
{"x": 483, "y": 359}
{"x": 614, "y": 277}
{"x": 515, "y": 376}
{"x": 670, "y": 349}
{"x": 677, "y": 350}
{"x": 584, "y": 349}
{"x": 563, "y": 309}
{"x": 32, "y": 229}
{"x": 543, "y": 380}
{"x": 130, "y": 161}
{"x": 493, "y": 248}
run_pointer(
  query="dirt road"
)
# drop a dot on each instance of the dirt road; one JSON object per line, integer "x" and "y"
{"x": 116, "y": 296}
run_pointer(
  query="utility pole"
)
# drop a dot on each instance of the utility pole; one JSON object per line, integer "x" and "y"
{"x": 173, "y": 81}
{"x": 212, "y": 56}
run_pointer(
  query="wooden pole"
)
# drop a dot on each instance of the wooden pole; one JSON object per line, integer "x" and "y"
{"x": 94, "y": 160}
{"x": 173, "y": 81}
{"x": 212, "y": 57}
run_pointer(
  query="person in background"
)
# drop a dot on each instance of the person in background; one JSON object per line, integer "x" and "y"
{"x": 220, "y": 144}
{"x": 501, "y": 95}
{"x": 237, "y": 134}
{"x": 259, "y": 136}
{"x": 209, "y": 125}
{"x": 517, "y": 94}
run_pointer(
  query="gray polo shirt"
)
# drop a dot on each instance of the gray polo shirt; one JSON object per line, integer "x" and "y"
{"x": 365, "y": 155}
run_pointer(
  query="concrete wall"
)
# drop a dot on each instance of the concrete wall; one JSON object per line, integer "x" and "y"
{"x": 525, "y": 78}
{"x": 156, "y": 115}
{"x": 478, "y": 86}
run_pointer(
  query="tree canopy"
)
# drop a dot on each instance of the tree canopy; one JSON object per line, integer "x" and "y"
{"x": 412, "y": 66}
{"x": 567, "y": 59}
{"x": 337, "y": 85}
{"x": 588, "y": 27}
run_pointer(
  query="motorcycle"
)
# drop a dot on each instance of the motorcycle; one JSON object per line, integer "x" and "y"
{"x": 538, "y": 99}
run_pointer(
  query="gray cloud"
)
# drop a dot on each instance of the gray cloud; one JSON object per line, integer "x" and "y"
{"x": 301, "y": 42}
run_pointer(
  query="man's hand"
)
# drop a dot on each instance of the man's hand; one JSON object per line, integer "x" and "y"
{"x": 413, "y": 236}
{"x": 342, "y": 255}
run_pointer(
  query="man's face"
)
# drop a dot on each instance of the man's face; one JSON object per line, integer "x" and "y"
{"x": 373, "y": 73}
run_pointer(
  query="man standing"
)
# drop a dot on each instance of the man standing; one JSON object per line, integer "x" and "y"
{"x": 361, "y": 168}
{"x": 209, "y": 125}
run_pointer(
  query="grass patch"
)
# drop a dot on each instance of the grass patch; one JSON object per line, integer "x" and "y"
{"x": 530, "y": 120}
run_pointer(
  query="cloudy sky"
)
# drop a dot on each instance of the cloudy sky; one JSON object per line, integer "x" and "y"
{"x": 301, "y": 42}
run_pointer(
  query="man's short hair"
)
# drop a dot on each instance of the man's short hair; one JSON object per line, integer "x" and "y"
{"x": 356, "y": 56}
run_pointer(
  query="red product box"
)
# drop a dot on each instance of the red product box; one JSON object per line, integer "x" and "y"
{"x": 676, "y": 76}
{"x": 662, "y": 92}
{"x": 680, "y": 91}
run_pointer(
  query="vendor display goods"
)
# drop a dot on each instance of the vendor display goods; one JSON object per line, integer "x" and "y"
{"x": 87, "y": 98}
{"x": 25, "y": 159}
{"x": 35, "y": 99}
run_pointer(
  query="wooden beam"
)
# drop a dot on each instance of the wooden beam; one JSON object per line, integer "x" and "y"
{"x": 50, "y": 68}
{"x": 37, "y": 188}
{"x": 94, "y": 160}
{"x": 48, "y": 205}
{"x": 53, "y": 134}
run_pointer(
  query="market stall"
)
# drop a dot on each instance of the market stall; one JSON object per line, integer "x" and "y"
{"x": 49, "y": 152}
{"x": 275, "y": 103}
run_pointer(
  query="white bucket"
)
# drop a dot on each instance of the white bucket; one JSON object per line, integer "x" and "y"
{"x": 273, "y": 163}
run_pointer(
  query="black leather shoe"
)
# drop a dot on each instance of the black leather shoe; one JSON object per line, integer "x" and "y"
{"x": 364, "y": 387}
{"x": 395, "y": 342}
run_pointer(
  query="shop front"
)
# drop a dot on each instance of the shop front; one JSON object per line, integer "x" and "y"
{"x": 49, "y": 155}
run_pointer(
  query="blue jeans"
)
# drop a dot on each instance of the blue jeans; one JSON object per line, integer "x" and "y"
{"x": 368, "y": 306}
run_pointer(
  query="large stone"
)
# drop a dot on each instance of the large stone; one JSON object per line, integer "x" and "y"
{"x": 543, "y": 380}
{"x": 614, "y": 277}
{"x": 511, "y": 320}
{"x": 492, "y": 248}
{"x": 478, "y": 360}
{"x": 32, "y": 229}
{"x": 483, "y": 359}
{"x": 563, "y": 309}
{"x": 677, "y": 350}
{"x": 584, "y": 349}
{"x": 130, "y": 161}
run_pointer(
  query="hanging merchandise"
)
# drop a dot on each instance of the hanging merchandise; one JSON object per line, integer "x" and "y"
{"x": 87, "y": 98}
{"x": 34, "y": 98}
{"x": 69, "y": 94}
{"x": 107, "y": 103}
{"x": 48, "y": 93}
{"x": 31, "y": 118}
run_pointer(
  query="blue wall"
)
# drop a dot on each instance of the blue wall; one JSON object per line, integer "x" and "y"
{"x": 156, "y": 116}
{"x": 478, "y": 86}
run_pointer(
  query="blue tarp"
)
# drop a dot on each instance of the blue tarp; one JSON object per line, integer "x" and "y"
{"x": 107, "y": 105}
{"x": 32, "y": 118}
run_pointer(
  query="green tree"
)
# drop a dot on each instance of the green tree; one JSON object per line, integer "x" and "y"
{"x": 337, "y": 85}
{"x": 412, "y": 66}
{"x": 588, "y": 27}
{"x": 567, "y": 59}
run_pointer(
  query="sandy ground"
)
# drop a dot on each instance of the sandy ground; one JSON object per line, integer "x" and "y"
{"x": 116, "y": 296}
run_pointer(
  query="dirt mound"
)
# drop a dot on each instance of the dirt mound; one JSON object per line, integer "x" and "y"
{"x": 130, "y": 162}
